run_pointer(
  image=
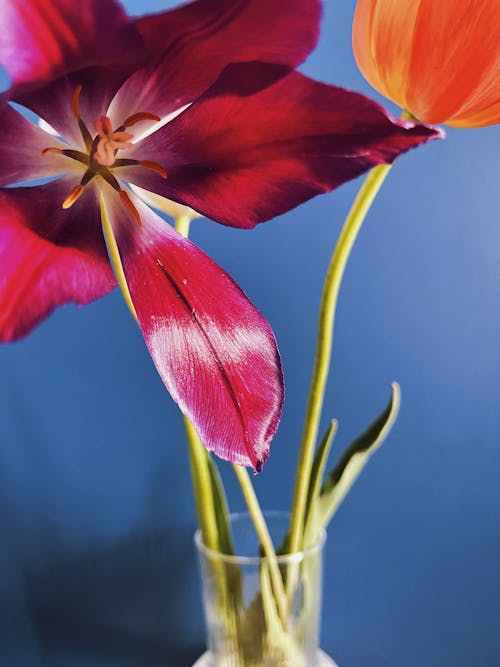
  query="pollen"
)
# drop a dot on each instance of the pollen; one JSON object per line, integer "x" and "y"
{"x": 137, "y": 117}
{"x": 51, "y": 150}
{"x": 75, "y": 100}
{"x": 129, "y": 205}
{"x": 148, "y": 164}
{"x": 73, "y": 196}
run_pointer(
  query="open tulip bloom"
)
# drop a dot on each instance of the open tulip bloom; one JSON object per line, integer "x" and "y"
{"x": 202, "y": 106}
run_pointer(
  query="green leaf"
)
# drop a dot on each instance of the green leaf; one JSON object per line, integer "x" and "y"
{"x": 354, "y": 459}
{"x": 312, "y": 524}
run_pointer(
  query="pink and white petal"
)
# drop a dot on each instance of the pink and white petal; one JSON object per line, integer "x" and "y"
{"x": 21, "y": 146}
{"x": 49, "y": 256}
{"x": 43, "y": 39}
{"x": 261, "y": 141}
{"x": 191, "y": 46}
{"x": 214, "y": 351}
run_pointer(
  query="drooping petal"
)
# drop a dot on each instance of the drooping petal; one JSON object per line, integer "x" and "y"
{"x": 43, "y": 39}
{"x": 263, "y": 140}
{"x": 194, "y": 43}
{"x": 21, "y": 146}
{"x": 212, "y": 348}
{"x": 49, "y": 256}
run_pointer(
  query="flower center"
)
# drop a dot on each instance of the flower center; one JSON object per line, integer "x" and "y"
{"x": 100, "y": 156}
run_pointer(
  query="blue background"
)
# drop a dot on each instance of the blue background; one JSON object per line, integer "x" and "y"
{"x": 96, "y": 514}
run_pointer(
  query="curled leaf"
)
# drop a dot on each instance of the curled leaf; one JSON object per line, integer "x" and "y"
{"x": 340, "y": 480}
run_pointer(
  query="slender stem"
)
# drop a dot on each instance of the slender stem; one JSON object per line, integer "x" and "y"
{"x": 324, "y": 342}
{"x": 202, "y": 488}
{"x": 264, "y": 537}
{"x": 200, "y": 472}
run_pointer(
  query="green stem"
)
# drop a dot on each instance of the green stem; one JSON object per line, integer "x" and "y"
{"x": 324, "y": 342}
{"x": 198, "y": 459}
{"x": 202, "y": 488}
{"x": 264, "y": 538}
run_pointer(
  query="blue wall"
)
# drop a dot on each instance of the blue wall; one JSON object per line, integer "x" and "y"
{"x": 96, "y": 515}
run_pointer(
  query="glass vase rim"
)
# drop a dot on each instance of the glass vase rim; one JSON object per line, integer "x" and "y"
{"x": 236, "y": 559}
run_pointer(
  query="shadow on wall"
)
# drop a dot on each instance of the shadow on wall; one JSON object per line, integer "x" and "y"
{"x": 129, "y": 606}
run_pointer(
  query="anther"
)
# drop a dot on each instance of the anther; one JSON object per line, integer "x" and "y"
{"x": 73, "y": 196}
{"x": 129, "y": 205}
{"x": 75, "y": 105}
{"x": 148, "y": 164}
{"x": 75, "y": 100}
{"x": 137, "y": 117}
{"x": 51, "y": 150}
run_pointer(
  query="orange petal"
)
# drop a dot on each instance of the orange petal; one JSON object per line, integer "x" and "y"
{"x": 439, "y": 60}
{"x": 455, "y": 65}
{"x": 382, "y": 37}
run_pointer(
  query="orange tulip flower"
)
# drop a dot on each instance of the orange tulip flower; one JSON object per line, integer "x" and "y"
{"x": 438, "y": 59}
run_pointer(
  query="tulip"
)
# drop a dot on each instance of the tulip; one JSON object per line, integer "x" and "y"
{"x": 438, "y": 59}
{"x": 200, "y": 106}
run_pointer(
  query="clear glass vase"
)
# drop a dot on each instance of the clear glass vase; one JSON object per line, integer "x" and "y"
{"x": 248, "y": 622}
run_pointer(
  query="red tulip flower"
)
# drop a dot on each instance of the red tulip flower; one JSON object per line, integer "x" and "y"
{"x": 438, "y": 59}
{"x": 200, "y": 105}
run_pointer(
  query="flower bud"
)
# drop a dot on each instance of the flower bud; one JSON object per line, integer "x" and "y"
{"x": 438, "y": 59}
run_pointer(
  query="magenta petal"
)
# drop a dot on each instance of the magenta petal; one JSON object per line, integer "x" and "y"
{"x": 261, "y": 141}
{"x": 21, "y": 145}
{"x": 43, "y": 39}
{"x": 52, "y": 101}
{"x": 194, "y": 43}
{"x": 214, "y": 351}
{"x": 48, "y": 256}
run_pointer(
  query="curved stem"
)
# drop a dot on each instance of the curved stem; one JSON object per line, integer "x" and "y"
{"x": 324, "y": 342}
{"x": 264, "y": 538}
{"x": 200, "y": 472}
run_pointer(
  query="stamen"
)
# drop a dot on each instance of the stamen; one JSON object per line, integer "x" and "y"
{"x": 137, "y": 117}
{"x": 51, "y": 150}
{"x": 109, "y": 178}
{"x": 129, "y": 205}
{"x": 87, "y": 177}
{"x": 154, "y": 166}
{"x": 75, "y": 105}
{"x": 68, "y": 152}
{"x": 75, "y": 100}
{"x": 73, "y": 196}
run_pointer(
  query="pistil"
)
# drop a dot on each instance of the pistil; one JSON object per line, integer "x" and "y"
{"x": 109, "y": 142}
